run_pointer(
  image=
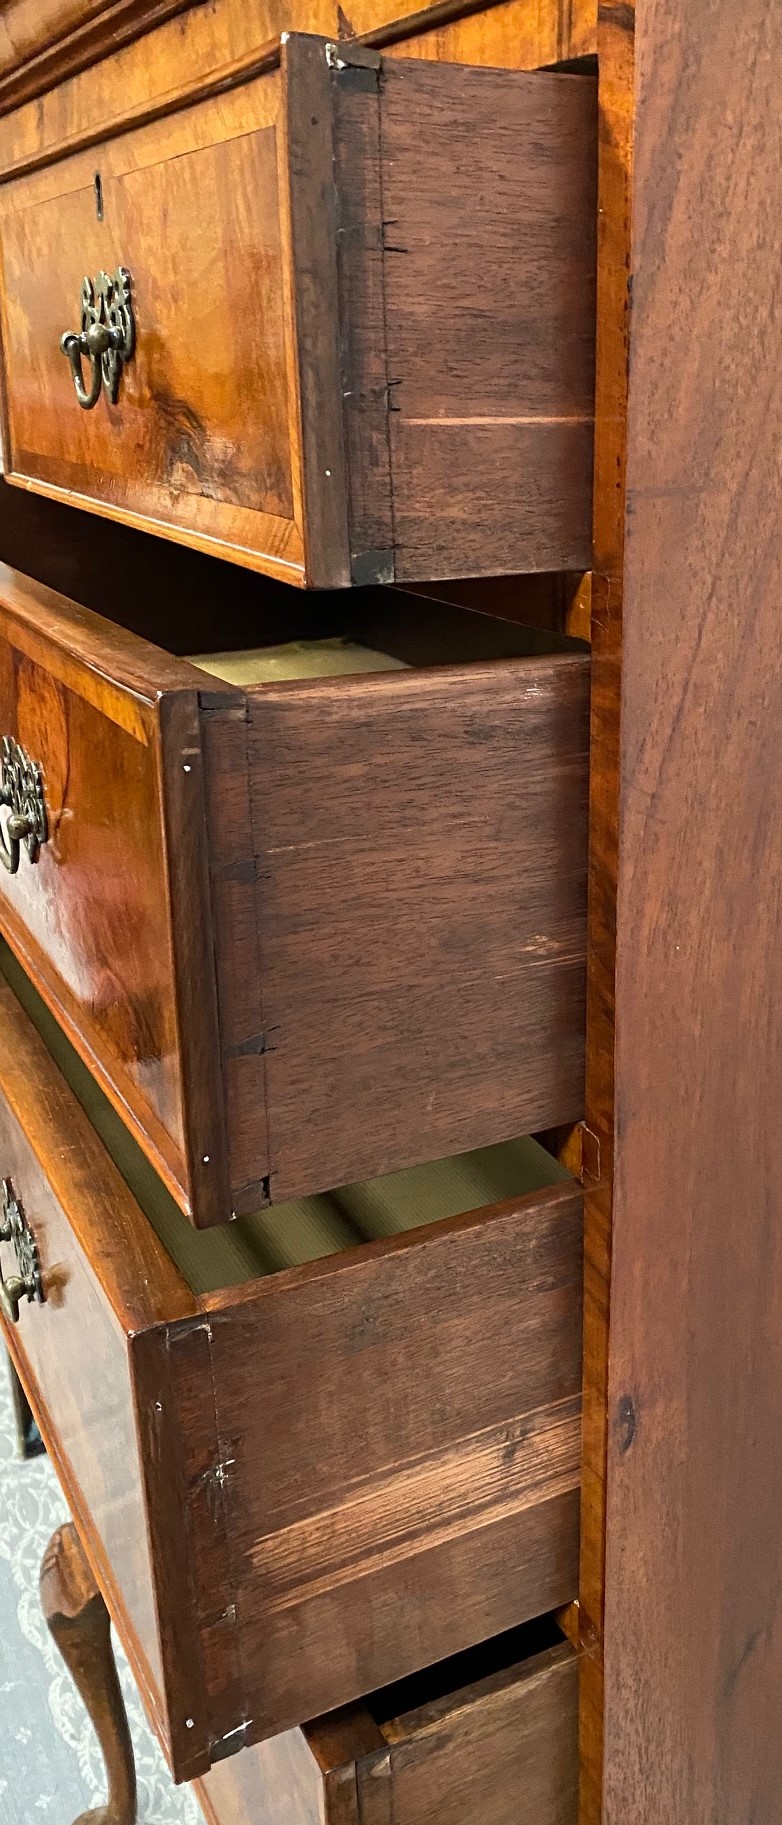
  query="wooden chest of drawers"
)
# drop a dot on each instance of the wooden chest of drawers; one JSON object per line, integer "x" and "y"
{"x": 307, "y": 931}
{"x": 358, "y": 314}
{"x": 311, "y": 1483}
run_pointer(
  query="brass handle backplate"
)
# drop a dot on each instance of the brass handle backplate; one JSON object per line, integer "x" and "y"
{"x": 21, "y": 791}
{"x": 107, "y": 337}
{"x": 27, "y": 1284}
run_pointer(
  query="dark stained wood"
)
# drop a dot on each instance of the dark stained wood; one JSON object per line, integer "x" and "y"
{"x": 78, "y": 1621}
{"x": 424, "y": 1475}
{"x": 28, "y": 1440}
{"x": 395, "y": 1495}
{"x": 309, "y": 135}
{"x": 502, "y": 1748}
{"x": 489, "y": 430}
{"x": 693, "y": 1624}
{"x": 489, "y": 424}
{"x": 365, "y": 376}
{"x": 616, "y": 271}
{"x": 465, "y": 852}
{"x": 494, "y": 380}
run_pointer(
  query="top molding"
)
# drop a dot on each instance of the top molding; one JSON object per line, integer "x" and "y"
{"x": 44, "y": 41}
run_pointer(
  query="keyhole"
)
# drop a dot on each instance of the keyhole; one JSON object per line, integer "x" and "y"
{"x": 98, "y": 186}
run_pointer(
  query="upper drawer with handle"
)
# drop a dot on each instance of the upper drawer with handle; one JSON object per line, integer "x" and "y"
{"x": 310, "y": 912}
{"x": 337, "y": 323}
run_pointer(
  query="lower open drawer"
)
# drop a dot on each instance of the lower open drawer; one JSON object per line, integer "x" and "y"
{"x": 490, "y": 1738}
{"x": 304, "y": 1484}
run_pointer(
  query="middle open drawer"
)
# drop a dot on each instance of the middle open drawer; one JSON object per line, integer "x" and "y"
{"x": 317, "y": 918}
{"x": 305, "y": 1483}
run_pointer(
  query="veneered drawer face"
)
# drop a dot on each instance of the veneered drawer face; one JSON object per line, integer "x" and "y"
{"x": 94, "y": 915}
{"x": 339, "y": 1481}
{"x": 270, "y": 262}
{"x": 313, "y": 925}
{"x": 201, "y": 433}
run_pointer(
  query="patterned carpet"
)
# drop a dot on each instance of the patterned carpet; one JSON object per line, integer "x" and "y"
{"x": 50, "y": 1766}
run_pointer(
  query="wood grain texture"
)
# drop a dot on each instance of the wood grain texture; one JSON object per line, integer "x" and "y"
{"x": 44, "y": 41}
{"x": 179, "y": 450}
{"x": 421, "y": 1511}
{"x": 309, "y": 144}
{"x": 103, "y": 919}
{"x": 281, "y": 1041}
{"x": 497, "y": 407}
{"x": 395, "y": 1496}
{"x": 78, "y": 1622}
{"x": 464, "y": 924}
{"x": 501, "y": 1748}
{"x": 615, "y": 278}
{"x": 509, "y": 34}
{"x": 695, "y": 1369}
{"x": 228, "y": 429}
{"x": 221, "y": 44}
{"x": 104, "y": 1275}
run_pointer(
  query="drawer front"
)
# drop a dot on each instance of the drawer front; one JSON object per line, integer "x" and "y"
{"x": 71, "y": 1351}
{"x": 280, "y": 396}
{"x": 202, "y": 436}
{"x": 340, "y": 1483}
{"x": 502, "y": 1749}
{"x": 103, "y": 915}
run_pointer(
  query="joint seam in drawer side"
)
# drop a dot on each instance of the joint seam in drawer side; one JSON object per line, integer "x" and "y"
{"x": 244, "y": 1055}
{"x": 262, "y": 1557}
{"x": 185, "y": 1475}
{"x": 361, "y": 255}
{"x": 183, "y": 811}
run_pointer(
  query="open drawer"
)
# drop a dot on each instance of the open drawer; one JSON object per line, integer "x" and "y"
{"x": 490, "y": 1738}
{"x": 336, "y": 321}
{"x": 311, "y": 913}
{"x": 304, "y": 1484}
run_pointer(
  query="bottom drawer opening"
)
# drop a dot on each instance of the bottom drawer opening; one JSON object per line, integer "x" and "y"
{"x": 443, "y": 1685}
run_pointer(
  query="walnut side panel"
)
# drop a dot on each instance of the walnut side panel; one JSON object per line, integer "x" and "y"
{"x": 693, "y": 1623}
{"x": 432, "y": 1497}
{"x": 507, "y": 1756}
{"x": 423, "y": 835}
{"x": 490, "y": 310}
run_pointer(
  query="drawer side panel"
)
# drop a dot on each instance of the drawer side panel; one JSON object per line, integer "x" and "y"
{"x": 393, "y": 1491}
{"x": 421, "y": 844}
{"x": 489, "y": 269}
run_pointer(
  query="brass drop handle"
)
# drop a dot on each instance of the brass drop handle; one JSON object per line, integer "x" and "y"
{"x": 27, "y": 1283}
{"x": 21, "y": 790}
{"x": 107, "y": 338}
